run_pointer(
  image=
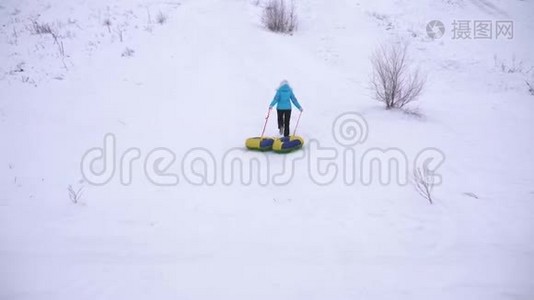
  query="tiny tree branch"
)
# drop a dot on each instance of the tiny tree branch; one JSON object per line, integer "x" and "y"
{"x": 423, "y": 180}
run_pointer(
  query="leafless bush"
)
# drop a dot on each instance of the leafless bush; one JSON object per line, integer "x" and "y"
{"x": 383, "y": 20}
{"x": 393, "y": 81}
{"x": 471, "y": 194}
{"x": 413, "y": 112}
{"x": 161, "y": 18}
{"x": 14, "y": 37}
{"x": 40, "y": 28}
{"x": 59, "y": 43}
{"x": 120, "y": 32}
{"x": 45, "y": 28}
{"x": 60, "y": 47}
{"x": 27, "y": 79}
{"x": 512, "y": 66}
{"x": 530, "y": 86}
{"x": 148, "y": 15}
{"x": 20, "y": 67}
{"x": 75, "y": 195}
{"x": 148, "y": 27}
{"x": 107, "y": 23}
{"x": 423, "y": 180}
{"x": 127, "y": 52}
{"x": 280, "y": 17}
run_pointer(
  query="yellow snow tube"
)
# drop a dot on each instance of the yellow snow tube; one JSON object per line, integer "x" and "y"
{"x": 259, "y": 143}
{"x": 288, "y": 144}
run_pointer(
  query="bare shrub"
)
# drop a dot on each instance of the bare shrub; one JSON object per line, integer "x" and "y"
{"x": 127, "y": 52}
{"x": 15, "y": 37}
{"x": 393, "y": 81}
{"x": 148, "y": 27}
{"x": 40, "y": 28}
{"x": 530, "y": 86}
{"x": 27, "y": 79}
{"x": 280, "y": 17}
{"x": 148, "y": 15}
{"x": 471, "y": 194}
{"x": 60, "y": 48}
{"x": 75, "y": 195}
{"x": 512, "y": 66}
{"x": 120, "y": 32}
{"x": 59, "y": 43}
{"x": 45, "y": 28}
{"x": 161, "y": 18}
{"x": 413, "y": 112}
{"x": 107, "y": 23}
{"x": 383, "y": 20}
{"x": 20, "y": 67}
{"x": 423, "y": 180}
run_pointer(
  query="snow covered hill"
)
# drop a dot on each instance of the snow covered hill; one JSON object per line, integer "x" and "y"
{"x": 184, "y": 83}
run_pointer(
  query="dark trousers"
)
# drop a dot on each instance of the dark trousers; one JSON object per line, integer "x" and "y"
{"x": 284, "y": 115}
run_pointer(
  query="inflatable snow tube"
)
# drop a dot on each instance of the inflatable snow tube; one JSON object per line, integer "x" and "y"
{"x": 287, "y": 144}
{"x": 260, "y": 144}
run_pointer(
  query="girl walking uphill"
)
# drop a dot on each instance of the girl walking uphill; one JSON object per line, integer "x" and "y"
{"x": 283, "y": 99}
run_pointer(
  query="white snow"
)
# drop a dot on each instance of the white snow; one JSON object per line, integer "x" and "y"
{"x": 204, "y": 79}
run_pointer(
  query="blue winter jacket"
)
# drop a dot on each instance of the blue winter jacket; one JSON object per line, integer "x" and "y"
{"x": 284, "y": 96}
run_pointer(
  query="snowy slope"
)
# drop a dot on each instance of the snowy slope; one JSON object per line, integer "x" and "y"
{"x": 204, "y": 79}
